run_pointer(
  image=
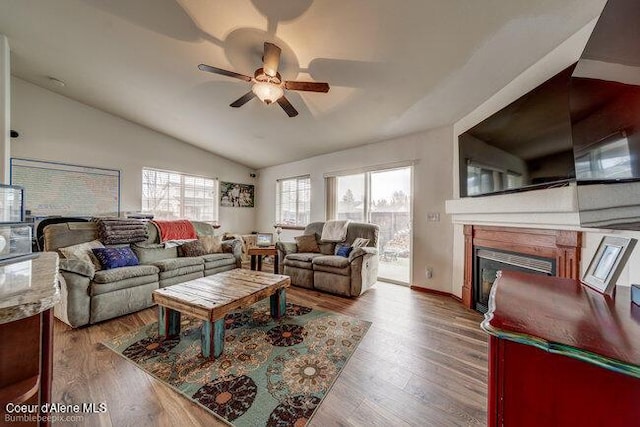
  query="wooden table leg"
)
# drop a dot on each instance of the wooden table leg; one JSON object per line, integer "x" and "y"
{"x": 253, "y": 262}
{"x": 278, "y": 303}
{"x": 259, "y": 262}
{"x": 276, "y": 269}
{"x": 212, "y": 339}
{"x": 46, "y": 362}
{"x": 168, "y": 322}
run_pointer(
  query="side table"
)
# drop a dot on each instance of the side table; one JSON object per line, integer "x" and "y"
{"x": 257, "y": 253}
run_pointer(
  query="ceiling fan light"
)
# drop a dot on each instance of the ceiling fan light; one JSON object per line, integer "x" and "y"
{"x": 267, "y": 92}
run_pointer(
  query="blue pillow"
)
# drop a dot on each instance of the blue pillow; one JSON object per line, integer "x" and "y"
{"x": 115, "y": 257}
{"x": 344, "y": 251}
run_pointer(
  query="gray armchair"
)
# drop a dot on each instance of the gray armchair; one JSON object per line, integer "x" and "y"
{"x": 325, "y": 271}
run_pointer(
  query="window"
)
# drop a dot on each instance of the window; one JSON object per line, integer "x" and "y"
{"x": 293, "y": 204}
{"x": 171, "y": 195}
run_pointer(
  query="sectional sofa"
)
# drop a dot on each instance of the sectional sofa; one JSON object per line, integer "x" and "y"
{"x": 90, "y": 296}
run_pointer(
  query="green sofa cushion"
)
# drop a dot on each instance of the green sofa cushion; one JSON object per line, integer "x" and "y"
{"x": 331, "y": 261}
{"x": 218, "y": 260}
{"x": 177, "y": 263}
{"x": 182, "y": 271}
{"x": 131, "y": 282}
{"x": 303, "y": 256}
{"x": 122, "y": 273}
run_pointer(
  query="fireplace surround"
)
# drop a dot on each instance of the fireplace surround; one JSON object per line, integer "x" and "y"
{"x": 551, "y": 252}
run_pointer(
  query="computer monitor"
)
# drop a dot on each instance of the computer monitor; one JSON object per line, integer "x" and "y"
{"x": 264, "y": 239}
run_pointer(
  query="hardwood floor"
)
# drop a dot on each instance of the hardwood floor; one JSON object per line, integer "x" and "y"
{"x": 422, "y": 363}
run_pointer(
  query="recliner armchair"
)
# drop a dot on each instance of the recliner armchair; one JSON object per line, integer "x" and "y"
{"x": 325, "y": 271}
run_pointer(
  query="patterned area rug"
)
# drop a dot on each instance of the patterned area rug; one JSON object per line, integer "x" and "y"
{"x": 271, "y": 373}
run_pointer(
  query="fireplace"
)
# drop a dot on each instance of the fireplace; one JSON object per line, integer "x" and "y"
{"x": 488, "y": 262}
{"x": 489, "y": 249}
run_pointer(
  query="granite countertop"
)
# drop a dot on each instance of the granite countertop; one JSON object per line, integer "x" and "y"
{"x": 28, "y": 287}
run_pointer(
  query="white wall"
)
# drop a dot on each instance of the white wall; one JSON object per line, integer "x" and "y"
{"x": 553, "y": 208}
{"x": 5, "y": 108}
{"x": 55, "y": 128}
{"x": 432, "y": 153}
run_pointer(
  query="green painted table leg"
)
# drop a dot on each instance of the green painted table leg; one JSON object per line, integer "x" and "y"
{"x": 168, "y": 322}
{"x": 212, "y": 339}
{"x": 279, "y": 303}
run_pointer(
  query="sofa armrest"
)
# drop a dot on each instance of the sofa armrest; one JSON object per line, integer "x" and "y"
{"x": 77, "y": 266}
{"x": 233, "y": 246}
{"x": 359, "y": 252}
{"x": 286, "y": 248}
{"x": 74, "y": 307}
{"x": 364, "y": 269}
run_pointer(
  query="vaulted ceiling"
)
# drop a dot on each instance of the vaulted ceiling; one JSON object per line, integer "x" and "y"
{"x": 395, "y": 67}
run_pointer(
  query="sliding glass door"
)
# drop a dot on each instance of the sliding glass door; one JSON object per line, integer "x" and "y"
{"x": 381, "y": 197}
{"x": 351, "y": 197}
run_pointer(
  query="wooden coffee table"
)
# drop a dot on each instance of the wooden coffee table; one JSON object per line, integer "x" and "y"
{"x": 211, "y": 298}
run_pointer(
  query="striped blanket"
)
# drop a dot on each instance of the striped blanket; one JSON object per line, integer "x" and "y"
{"x": 116, "y": 231}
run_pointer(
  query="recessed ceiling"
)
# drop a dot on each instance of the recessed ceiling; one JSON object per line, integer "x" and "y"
{"x": 394, "y": 67}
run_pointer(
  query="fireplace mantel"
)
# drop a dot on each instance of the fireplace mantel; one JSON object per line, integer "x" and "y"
{"x": 562, "y": 245}
{"x": 548, "y": 208}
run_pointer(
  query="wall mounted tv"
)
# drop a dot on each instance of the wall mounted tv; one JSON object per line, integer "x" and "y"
{"x": 605, "y": 116}
{"x": 524, "y": 146}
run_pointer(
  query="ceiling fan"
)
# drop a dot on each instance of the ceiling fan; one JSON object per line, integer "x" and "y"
{"x": 268, "y": 86}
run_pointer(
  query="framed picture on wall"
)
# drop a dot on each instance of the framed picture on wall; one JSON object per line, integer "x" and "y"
{"x": 234, "y": 195}
{"x": 607, "y": 263}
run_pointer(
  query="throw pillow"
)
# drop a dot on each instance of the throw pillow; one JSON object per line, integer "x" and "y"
{"x": 115, "y": 257}
{"x": 327, "y": 248}
{"x": 343, "y": 251}
{"x": 83, "y": 252}
{"x": 360, "y": 242}
{"x": 176, "y": 243}
{"x": 211, "y": 244}
{"x": 148, "y": 253}
{"x": 191, "y": 249}
{"x": 307, "y": 243}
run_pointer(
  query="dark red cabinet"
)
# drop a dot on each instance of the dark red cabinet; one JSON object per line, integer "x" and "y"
{"x": 561, "y": 354}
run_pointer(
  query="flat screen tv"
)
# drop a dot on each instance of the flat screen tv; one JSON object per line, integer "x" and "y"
{"x": 605, "y": 118}
{"x": 524, "y": 146}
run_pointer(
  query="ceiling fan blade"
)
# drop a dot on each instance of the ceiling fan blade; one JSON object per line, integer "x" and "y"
{"x": 210, "y": 69}
{"x": 271, "y": 59}
{"x": 307, "y": 86}
{"x": 243, "y": 99}
{"x": 287, "y": 107}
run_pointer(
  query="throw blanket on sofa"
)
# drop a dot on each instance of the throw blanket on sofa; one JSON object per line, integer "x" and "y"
{"x": 334, "y": 231}
{"x": 180, "y": 229}
{"x": 116, "y": 231}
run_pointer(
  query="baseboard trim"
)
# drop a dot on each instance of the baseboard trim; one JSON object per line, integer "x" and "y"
{"x": 435, "y": 292}
{"x": 457, "y": 298}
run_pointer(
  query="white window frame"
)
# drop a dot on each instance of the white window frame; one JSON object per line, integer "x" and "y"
{"x": 181, "y": 187}
{"x": 299, "y": 182}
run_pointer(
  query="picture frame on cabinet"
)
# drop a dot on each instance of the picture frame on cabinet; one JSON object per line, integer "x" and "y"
{"x": 607, "y": 263}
